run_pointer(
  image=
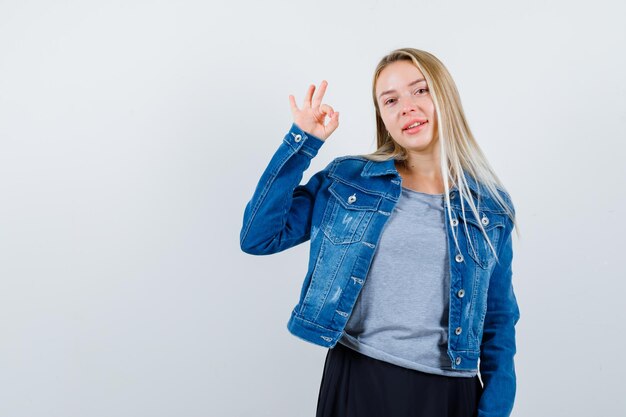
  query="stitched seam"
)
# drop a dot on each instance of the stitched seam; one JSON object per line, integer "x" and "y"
{"x": 334, "y": 275}
{"x": 314, "y": 275}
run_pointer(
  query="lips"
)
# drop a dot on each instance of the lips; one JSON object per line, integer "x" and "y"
{"x": 406, "y": 126}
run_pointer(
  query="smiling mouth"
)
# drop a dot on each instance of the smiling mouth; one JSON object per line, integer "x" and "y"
{"x": 415, "y": 125}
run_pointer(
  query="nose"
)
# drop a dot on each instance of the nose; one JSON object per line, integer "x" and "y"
{"x": 409, "y": 104}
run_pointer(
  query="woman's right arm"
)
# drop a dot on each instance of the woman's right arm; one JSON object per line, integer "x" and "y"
{"x": 280, "y": 212}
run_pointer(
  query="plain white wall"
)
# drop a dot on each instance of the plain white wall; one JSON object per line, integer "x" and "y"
{"x": 132, "y": 134}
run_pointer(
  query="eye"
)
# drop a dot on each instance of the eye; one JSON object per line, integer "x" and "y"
{"x": 416, "y": 91}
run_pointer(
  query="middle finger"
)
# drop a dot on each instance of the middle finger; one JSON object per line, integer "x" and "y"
{"x": 319, "y": 95}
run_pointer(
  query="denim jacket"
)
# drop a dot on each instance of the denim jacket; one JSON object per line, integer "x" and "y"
{"x": 342, "y": 209}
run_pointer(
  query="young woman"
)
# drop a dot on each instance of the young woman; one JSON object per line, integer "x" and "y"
{"x": 409, "y": 282}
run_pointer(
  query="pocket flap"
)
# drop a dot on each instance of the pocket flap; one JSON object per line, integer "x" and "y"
{"x": 354, "y": 199}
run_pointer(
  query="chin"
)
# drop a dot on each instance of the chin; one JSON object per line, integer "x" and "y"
{"x": 419, "y": 142}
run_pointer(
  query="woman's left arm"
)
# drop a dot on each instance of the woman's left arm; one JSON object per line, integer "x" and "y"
{"x": 497, "y": 367}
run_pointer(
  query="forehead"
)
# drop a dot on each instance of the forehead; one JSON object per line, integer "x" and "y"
{"x": 397, "y": 75}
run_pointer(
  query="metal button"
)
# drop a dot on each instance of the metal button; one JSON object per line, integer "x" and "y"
{"x": 297, "y": 138}
{"x": 485, "y": 220}
{"x": 458, "y": 258}
{"x": 461, "y": 293}
{"x": 452, "y": 195}
{"x": 458, "y": 360}
{"x": 458, "y": 331}
{"x": 352, "y": 199}
{"x": 455, "y": 222}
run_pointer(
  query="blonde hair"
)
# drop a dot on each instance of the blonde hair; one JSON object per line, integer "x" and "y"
{"x": 460, "y": 153}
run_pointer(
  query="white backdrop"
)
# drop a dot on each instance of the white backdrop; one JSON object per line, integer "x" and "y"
{"x": 132, "y": 134}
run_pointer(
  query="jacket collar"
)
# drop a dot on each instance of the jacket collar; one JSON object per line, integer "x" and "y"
{"x": 377, "y": 168}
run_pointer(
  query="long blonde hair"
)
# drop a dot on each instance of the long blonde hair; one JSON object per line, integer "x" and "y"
{"x": 460, "y": 153}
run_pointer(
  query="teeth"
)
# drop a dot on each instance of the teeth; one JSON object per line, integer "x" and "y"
{"x": 415, "y": 124}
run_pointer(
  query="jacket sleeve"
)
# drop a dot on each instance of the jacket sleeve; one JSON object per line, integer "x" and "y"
{"x": 279, "y": 214}
{"x": 497, "y": 368}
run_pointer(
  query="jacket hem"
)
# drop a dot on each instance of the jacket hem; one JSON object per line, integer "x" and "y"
{"x": 312, "y": 332}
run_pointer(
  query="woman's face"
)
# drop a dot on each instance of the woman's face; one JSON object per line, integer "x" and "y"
{"x": 403, "y": 99}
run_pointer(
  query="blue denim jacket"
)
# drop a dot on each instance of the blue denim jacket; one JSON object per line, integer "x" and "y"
{"x": 342, "y": 210}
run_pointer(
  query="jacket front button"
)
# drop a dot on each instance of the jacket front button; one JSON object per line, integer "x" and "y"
{"x": 352, "y": 199}
{"x": 458, "y": 258}
{"x": 458, "y": 331}
{"x": 458, "y": 360}
{"x": 452, "y": 195}
{"x": 461, "y": 293}
{"x": 485, "y": 220}
{"x": 455, "y": 222}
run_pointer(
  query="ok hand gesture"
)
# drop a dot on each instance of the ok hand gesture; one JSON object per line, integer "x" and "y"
{"x": 312, "y": 116}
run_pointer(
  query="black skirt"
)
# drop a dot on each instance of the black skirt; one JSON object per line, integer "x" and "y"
{"x": 356, "y": 385}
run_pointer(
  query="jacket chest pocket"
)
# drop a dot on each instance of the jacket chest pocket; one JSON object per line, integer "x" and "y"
{"x": 477, "y": 245}
{"x": 348, "y": 212}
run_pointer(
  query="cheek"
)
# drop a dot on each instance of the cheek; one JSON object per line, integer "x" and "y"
{"x": 432, "y": 110}
{"x": 388, "y": 119}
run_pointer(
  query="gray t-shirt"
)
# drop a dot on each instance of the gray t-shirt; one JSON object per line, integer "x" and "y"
{"x": 401, "y": 314}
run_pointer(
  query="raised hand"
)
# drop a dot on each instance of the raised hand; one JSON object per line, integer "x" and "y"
{"x": 312, "y": 116}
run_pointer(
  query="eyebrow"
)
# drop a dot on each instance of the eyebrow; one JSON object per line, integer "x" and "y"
{"x": 393, "y": 91}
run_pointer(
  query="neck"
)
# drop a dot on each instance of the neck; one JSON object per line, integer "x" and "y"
{"x": 424, "y": 176}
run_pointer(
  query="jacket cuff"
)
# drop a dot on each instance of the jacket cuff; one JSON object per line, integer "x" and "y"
{"x": 301, "y": 141}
